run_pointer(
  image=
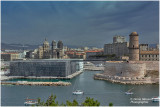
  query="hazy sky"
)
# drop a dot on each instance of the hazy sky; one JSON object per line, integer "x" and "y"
{"x": 78, "y": 23}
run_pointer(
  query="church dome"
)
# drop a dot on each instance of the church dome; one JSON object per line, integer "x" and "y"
{"x": 45, "y": 42}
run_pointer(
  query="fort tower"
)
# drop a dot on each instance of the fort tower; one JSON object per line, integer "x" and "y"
{"x": 134, "y": 47}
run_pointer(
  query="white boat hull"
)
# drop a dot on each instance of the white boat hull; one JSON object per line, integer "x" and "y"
{"x": 155, "y": 99}
{"x": 30, "y": 103}
{"x": 78, "y": 92}
{"x": 128, "y": 93}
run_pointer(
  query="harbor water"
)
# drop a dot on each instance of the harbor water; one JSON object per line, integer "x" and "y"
{"x": 103, "y": 91}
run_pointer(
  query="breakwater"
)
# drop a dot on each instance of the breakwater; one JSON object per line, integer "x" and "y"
{"x": 60, "y": 83}
{"x": 127, "y": 80}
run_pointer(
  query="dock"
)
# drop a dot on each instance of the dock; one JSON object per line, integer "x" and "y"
{"x": 60, "y": 83}
{"x": 4, "y": 78}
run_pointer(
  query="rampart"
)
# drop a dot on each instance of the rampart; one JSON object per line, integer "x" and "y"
{"x": 131, "y": 72}
{"x": 125, "y": 69}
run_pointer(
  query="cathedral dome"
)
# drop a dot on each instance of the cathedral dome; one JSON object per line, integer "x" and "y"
{"x": 45, "y": 42}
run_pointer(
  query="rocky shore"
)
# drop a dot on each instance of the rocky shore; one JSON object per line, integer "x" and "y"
{"x": 60, "y": 83}
{"x": 127, "y": 80}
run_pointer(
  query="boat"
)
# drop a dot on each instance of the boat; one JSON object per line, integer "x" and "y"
{"x": 78, "y": 92}
{"x": 155, "y": 99}
{"x": 129, "y": 92}
{"x": 22, "y": 81}
{"x": 31, "y": 102}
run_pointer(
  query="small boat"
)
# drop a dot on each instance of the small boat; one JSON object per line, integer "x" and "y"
{"x": 22, "y": 81}
{"x": 129, "y": 92}
{"x": 78, "y": 92}
{"x": 31, "y": 102}
{"x": 155, "y": 99}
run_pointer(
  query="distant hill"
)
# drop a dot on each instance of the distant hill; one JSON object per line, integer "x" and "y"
{"x": 28, "y": 46}
{"x": 18, "y": 46}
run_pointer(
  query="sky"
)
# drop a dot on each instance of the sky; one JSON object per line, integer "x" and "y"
{"x": 79, "y": 23}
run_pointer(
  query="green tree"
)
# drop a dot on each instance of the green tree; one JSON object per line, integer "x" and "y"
{"x": 50, "y": 101}
{"x": 74, "y": 103}
{"x": 110, "y": 104}
{"x": 90, "y": 102}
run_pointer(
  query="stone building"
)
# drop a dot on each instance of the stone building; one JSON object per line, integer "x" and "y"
{"x": 45, "y": 52}
{"x": 9, "y": 56}
{"x": 119, "y": 39}
{"x": 134, "y": 47}
{"x": 73, "y": 54}
{"x": 143, "y": 47}
{"x": 39, "y": 54}
{"x": 119, "y": 49}
{"x": 91, "y": 53}
{"x": 149, "y": 55}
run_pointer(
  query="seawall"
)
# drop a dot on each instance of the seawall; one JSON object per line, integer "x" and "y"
{"x": 126, "y": 80}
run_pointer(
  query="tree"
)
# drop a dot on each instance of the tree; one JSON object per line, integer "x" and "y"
{"x": 74, "y": 103}
{"x": 110, "y": 104}
{"x": 90, "y": 102}
{"x": 50, "y": 101}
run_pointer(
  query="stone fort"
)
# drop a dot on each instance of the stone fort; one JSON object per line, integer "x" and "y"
{"x": 133, "y": 67}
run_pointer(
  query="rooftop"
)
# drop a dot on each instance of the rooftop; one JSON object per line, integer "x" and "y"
{"x": 150, "y": 52}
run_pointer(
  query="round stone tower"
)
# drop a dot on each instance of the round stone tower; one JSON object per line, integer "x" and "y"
{"x": 134, "y": 47}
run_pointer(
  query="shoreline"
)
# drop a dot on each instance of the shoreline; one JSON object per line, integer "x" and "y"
{"x": 60, "y": 83}
{"x": 126, "y": 80}
{"x": 4, "y": 78}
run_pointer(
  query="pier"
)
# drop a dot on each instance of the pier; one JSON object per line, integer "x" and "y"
{"x": 60, "y": 83}
{"x": 4, "y": 78}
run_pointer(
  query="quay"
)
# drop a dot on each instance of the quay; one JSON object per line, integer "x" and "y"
{"x": 4, "y": 78}
{"x": 127, "y": 80}
{"x": 60, "y": 83}
{"x": 93, "y": 68}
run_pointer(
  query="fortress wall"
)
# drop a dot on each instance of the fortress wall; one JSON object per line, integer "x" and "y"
{"x": 150, "y": 65}
{"x": 125, "y": 69}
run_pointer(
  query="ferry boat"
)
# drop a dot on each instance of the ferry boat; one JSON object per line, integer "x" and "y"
{"x": 78, "y": 92}
{"x": 31, "y": 102}
{"x": 155, "y": 99}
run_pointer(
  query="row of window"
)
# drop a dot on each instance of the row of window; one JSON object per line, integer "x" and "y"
{"x": 149, "y": 59}
{"x": 150, "y": 55}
